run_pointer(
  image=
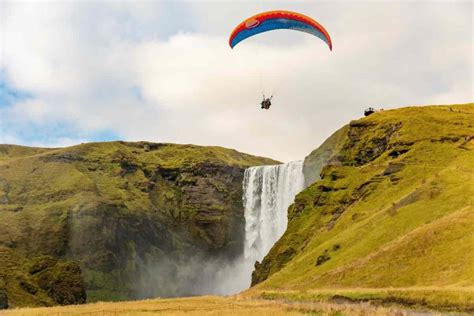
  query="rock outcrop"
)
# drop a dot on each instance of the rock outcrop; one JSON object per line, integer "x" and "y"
{"x": 3, "y": 296}
{"x": 39, "y": 281}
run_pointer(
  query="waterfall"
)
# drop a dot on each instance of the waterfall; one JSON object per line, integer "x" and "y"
{"x": 268, "y": 191}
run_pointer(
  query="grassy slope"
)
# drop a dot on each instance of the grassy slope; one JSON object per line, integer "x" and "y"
{"x": 404, "y": 219}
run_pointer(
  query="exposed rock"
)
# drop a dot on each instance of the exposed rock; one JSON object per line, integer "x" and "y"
{"x": 63, "y": 157}
{"x": 127, "y": 167}
{"x": 42, "y": 281}
{"x": 399, "y": 149}
{"x": 3, "y": 299}
{"x": 264, "y": 269}
{"x": 41, "y": 263}
{"x": 3, "y": 292}
{"x": 323, "y": 155}
{"x": 322, "y": 258}
{"x": 367, "y": 141}
{"x": 28, "y": 287}
{"x": 63, "y": 284}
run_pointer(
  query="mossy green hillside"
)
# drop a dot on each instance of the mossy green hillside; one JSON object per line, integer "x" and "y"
{"x": 394, "y": 208}
{"x": 120, "y": 208}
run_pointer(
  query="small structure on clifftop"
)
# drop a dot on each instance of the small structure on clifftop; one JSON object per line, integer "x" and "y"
{"x": 369, "y": 111}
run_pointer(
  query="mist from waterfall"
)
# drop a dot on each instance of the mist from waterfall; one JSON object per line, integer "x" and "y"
{"x": 268, "y": 191}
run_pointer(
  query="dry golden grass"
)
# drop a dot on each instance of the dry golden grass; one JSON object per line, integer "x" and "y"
{"x": 213, "y": 305}
{"x": 454, "y": 299}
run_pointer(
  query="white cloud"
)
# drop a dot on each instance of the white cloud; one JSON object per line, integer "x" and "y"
{"x": 119, "y": 67}
{"x": 7, "y": 139}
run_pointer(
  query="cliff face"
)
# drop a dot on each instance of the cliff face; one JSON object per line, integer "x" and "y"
{"x": 134, "y": 216}
{"x": 393, "y": 206}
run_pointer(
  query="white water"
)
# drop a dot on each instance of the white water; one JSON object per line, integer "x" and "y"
{"x": 268, "y": 191}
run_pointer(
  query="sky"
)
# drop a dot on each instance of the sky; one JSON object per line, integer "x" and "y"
{"x": 162, "y": 71}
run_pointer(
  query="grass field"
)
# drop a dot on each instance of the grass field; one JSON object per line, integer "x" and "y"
{"x": 449, "y": 299}
{"x": 310, "y": 303}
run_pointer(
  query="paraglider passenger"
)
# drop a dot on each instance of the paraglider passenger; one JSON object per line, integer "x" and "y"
{"x": 266, "y": 103}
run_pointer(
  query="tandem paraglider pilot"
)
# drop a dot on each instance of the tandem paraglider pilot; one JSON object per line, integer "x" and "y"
{"x": 266, "y": 102}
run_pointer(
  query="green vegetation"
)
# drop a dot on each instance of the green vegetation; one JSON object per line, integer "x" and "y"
{"x": 121, "y": 209}
{"x": 389, "y": 218}
{"x": 394, "y": 209}
{"x": 40, "y": 281}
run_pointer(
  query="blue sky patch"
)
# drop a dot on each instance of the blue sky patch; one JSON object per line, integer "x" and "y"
{"x": 8, "y": 94}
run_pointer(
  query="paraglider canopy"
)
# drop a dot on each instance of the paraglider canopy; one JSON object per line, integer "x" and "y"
{"x": 274, "y": 20}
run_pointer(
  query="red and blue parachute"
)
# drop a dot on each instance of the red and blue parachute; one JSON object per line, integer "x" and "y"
{"x": 275, "y": 20}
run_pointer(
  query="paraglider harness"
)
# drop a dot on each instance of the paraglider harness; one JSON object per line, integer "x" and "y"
{"x": 266, "y": 102}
